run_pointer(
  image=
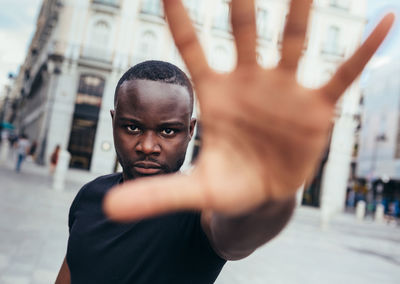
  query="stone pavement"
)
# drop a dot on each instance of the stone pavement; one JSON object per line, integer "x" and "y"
{"x": 34, "y": 232}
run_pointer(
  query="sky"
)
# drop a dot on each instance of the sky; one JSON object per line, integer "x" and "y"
{"x": 18, "y": 17}
{"x": 391, "y": 47}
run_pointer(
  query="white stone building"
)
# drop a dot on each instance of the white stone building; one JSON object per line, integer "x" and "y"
{"x": 379, "y": 150}
{"x": 82, "y": 47}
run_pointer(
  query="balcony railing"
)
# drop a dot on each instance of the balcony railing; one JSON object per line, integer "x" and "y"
{"x": 112, "y": 3}
{"x": 153, "y": 8}
{"x": 336, "y": 52}
{"x": 337, "y": 5}
{"x": 98, "y": 54}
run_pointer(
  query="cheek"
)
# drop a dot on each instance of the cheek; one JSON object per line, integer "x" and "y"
{"x": 177, "y": 149}
{"x": 123, "y": 143}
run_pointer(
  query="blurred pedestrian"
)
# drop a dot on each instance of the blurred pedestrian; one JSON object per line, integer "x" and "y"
{"x": 22, "y": 146}
{"x": 54, "y": 159}
{"x": 32, "y": 150}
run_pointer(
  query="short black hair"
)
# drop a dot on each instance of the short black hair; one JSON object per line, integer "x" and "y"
{"x": 155, "y": 70}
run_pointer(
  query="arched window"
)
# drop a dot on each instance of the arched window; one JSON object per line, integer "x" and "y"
{"x": 98, "y": 45}
{"x": 101, "y": 33}
{"x": 147, "y": 46}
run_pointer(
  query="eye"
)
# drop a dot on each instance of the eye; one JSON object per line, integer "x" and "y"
{"x": 168, "y": 132}
{"x": 133, "y": 129}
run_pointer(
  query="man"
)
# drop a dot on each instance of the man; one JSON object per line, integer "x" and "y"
{"x": 263, "y": 135}
{"x": 152, "y": 126}
{"x": 22, "y": 150}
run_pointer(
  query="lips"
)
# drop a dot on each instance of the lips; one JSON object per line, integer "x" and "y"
{"x": 147, "y": 168}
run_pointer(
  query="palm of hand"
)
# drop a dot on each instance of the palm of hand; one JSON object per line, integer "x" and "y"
{"x": 263, "y": 133}
{"x": 262, "y": 144}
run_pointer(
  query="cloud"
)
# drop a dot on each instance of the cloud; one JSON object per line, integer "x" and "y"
{"x": 378, "y": 61}
{"x": 17, "y": 24}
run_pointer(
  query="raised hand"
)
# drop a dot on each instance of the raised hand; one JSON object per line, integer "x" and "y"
{"x": 263, "y": 133}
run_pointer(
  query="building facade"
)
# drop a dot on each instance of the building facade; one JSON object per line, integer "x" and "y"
{"x": 379, "y": 140}
{"x": 82, "y": 47}
{"x": 378, "y": 161}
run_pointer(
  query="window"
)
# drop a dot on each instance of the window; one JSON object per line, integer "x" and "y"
{"x": 262, "y": 23}
{"x": 101, "y": 33}
{"x": 193, "y": 8}
{"x": 332, "y": 40}
{"x": 147, "y": 46}
{"x": 152, "y": 7}
{"x": 341, "y": 4}
{"x": 99, "y": 41}
{"x": 222, "y": 16}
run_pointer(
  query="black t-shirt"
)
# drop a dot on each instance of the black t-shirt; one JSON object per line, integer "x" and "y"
{"x": 168, "y": 249}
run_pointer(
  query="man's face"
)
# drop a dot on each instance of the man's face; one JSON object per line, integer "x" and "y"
{"x": 152, "y": 127}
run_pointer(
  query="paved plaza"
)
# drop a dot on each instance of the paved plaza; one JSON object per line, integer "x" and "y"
{"x": 34, "y": 232}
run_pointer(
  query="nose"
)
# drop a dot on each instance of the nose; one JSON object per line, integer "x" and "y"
{"x": 148, "y": 144}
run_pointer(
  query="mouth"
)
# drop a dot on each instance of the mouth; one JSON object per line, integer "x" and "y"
{"x": 147, "y": 168}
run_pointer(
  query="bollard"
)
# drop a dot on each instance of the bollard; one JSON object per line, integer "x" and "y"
{"x": 379, "y": 213}
{"x": 360, "y": 210}
{"x": 61, "y": 170}
{"x": 5, "y": 148}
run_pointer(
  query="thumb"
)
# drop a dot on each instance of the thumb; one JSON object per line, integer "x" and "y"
{"x": 147, "y": 197}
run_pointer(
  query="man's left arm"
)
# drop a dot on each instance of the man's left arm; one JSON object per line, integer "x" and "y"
{"x": 234, "y": 238}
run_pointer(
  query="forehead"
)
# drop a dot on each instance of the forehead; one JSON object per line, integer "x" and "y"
{"x": 146, "y": 97}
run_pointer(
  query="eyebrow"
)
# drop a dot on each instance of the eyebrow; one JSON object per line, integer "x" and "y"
{"x": 172, "y": 124}
{"x": 130, "y": 120}
{"x": 162, "y": 124}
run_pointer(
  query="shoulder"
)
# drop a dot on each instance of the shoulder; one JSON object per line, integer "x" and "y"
{"x": 97, "y": 187}
{"x": 106, "y": 180}
{"x": 92, "y": 193}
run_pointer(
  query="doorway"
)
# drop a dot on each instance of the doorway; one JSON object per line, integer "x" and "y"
{"x": 84, "y": 122}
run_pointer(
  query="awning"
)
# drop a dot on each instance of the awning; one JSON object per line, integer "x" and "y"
{"x": 7, "y": 125}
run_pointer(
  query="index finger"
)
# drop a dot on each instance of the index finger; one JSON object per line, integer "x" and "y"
{"x": 185, "y": 38}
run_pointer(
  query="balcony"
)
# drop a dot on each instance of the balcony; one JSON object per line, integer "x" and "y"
{"x": 108, "y": 6}
{"x": 99, "y": 57}
{"x": 338, "y": 6}
{"x": 112, "y": 3}
{"x": 333, "y": 53}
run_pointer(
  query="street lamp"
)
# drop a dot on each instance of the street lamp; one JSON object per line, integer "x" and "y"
{"x": 378, "y": 138}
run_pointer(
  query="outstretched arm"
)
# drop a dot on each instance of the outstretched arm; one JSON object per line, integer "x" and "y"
{"x": 263, "y": 133}
{"x": 234, "y": 238}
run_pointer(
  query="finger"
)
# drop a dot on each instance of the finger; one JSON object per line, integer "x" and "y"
{"x": 185, "y": 38}
{"x": 244, "y": 31}
{"x": 295, "y": 33}
{"x": 153, "y": 196}
{"x": 352, "y": 68}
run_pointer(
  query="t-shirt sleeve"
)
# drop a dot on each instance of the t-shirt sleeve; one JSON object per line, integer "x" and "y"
{"x": 204, "y": 241}
{"x": 206, "y": 254}
{"x": 73, "y": 208}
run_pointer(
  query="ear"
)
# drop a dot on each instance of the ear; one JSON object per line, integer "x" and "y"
{"x": 192, "y": 125}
